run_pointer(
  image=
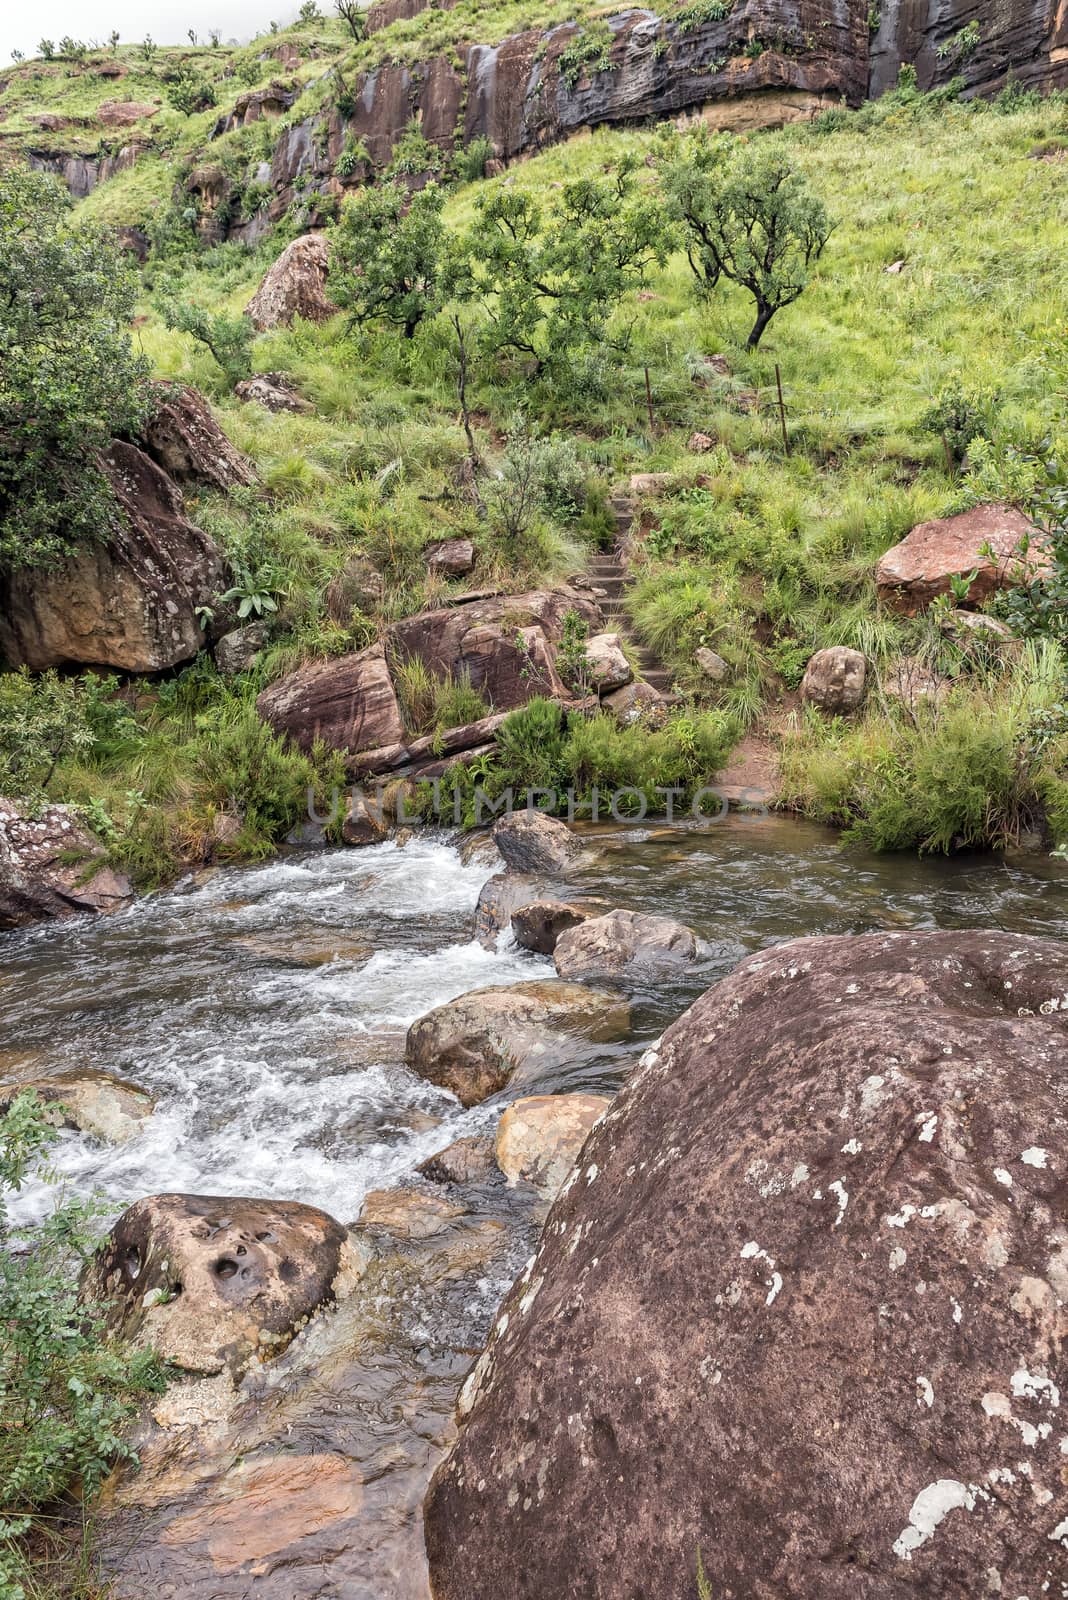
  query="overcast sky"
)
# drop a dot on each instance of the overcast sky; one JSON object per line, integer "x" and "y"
{"x": 168, "y": 21}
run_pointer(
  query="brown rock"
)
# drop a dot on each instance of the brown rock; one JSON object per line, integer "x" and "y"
{"x": 912, "y": 573}
{"x": 531, "y": 842}
{"x": 499, "y": 899}
{"x": 97, "y": 1103}
{"x": 295, "y": 286}
{"x": 450, "y": 558}
{"x": 408, "y": 1213}
{"x": 539, "y": 1138}
{"x": 606, "y": 663}
{"x": 636, "y": 701}
{"x": 712, "y": 665}
{"x": 834, "y": 679}
{"x": 304, "y": 947}
{"x": 803, "y": 1310}
{"x": 539, "y": 925}
{"x": 365, "y": 822}
{"x": 183, "y": 437}
{"x": 465, "y": 1161}
{"x": 699, "y": 444}
{"x": 213, "y": 1284}
{"x": 46, "y": 868}
{"x": 647, "y": 485}
{"x": 274, "y": 391}
{"x": 129, "y": 601}
{"x": 625, "y": 944}
{"x": 124, "y": 113}
{"x": 349, "y": 703}
{"x": 473, "y": 1045}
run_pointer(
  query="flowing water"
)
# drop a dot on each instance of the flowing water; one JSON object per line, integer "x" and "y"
{"x": 265, "y": 1009}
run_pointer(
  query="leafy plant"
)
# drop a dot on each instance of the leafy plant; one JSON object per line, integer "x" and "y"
{"x": 228, "y": 338}
{"x": 42, "y": 721}
{"x": 959, "y": 416}
{"x": 589, "y": 51}
{"x": 386, "y": 254}
{"x": 256, "y": 591}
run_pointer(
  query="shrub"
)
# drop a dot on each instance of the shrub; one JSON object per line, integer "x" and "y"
{"x": 42, "y": 721}
{"x": 228, "y": 338}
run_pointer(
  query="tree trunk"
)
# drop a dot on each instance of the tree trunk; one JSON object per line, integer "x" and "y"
{"x": 764, "y": 316}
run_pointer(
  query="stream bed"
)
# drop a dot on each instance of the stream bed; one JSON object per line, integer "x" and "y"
{"x": 265, "y": 1009}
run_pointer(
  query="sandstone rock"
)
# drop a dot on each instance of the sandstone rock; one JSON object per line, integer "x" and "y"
{"x": 699, "y": 444}
{"x": 803, "y": 1309}
{"x": 636, "y": 701}
{"x": 647, "y": 485}
{"x": 712, "y": 665}
{"x": 450, "y": 558}
{"x": 124, "y": 113}
{"x": 607, "y": 665}
{"x": 235, "y": 652}
{"x": 499, "y": 899}
{"x": 97, "y": 1103}
{"x": 304, "y": 947}
{"x": 473, "y": 1045}
{"x": 625, "y": 944}
{"x": 465, "y": 1161}
{"x": 912, "y": 573}
{"x": 274, "y": 391}
{"x": 540, "y": 1136}
{"x": 214, "y": 1284}
{"x": 531, "y": 842}
{"x": 183, "y": 437}
{"x": 538, "y": 926}
{"x": 978, "y": 624}
{"x": 834, "y": 679}
{"x": 349, "y": 703}
{"x": 359, "y": 586}
{"x": 508, "y": 666}
{"x": 408, "y": 1213}
{"x": 295, "y": 286}
{"x": 129, "y": 601}
{"x": 365, "y": 822}
{"x": 45, "y": 868}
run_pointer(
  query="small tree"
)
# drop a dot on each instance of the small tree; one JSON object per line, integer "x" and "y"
{"x": 351, "y": 11}
{"x": 309, "y": 12}
{"x": 387, "y": 256}
{"x": 47, "y": 49}
{"x": 749, "y": 218}
{"x": 228, "y": 338}
{"x": 69, "y": 377}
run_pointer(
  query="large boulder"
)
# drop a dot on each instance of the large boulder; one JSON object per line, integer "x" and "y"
{"x": 96, "y": 1103}
{"x": 51, "y": 867}
{"x": 606, "y": 663}
{"x": 532, "y": 842}
{"x": 214, "y": 1284}
{"x": 911, "y": 574}
{"x": 294, "y": 286}
{"x": 625, "y": 945}
{"x": 801, "y": 1311}
{"x": 834, "y": 679}
{"x": 540, "y": 1136}
{"x": 349, "y": 703}
{"x": 450, "y": 558}
{"x": 473, "y": 1045}
{"x": 537, "y": 927}
{"x": 129, "y": 601}
{"x": 183, "y": 437}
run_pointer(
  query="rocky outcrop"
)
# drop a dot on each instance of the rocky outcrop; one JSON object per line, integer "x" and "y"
{"x": 531, "y": 842}
{"x": 1025, "y": 40}
{"x": 540, "y": 1136}
{"x": 82, "y": 174}
{"x": 47, "y": 864}
{"x": 984, "y": 541}
{"x": 348, "y": 703}
{"x": 802, "y": 1311}
{"x": 465, "y": 1161}
{"x": 358, "y": 586}
{"x": 538, "y": 926}
{"x": 215, "y": 1284}
{"x": 625, "y": 945}
{"x": 96, "y": 1103}
{"x": 834, "y": 680}
{"x": 294, "y": 286}
{"x": 606, "y": 663}
{"x": 183, "y": 437}
{"x": 473, "y": 1045}
{"x": 129, "y": 601}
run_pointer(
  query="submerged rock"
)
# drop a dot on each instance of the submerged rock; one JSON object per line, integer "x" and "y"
{"x": 625, "y": 944}
{"x": 473, "y": 1045}
{"x": 532, "y": 842}
{"x": 409, "y": 1212}
{"x": 540, "y": 1136}
{"x": 50, "y": 866}
{"x": 215, "y": 1284}
{"x": 801, "y": 1310}
{"x": 96, "y": 1103}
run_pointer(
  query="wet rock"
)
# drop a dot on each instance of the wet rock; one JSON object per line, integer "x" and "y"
{"x": 365, "y": 823}
{"x": 129, "y": 601}
{"x": 499, "y": 899}
{"x": 465, "y": 1161}
{"x": 349, "y": 703}
{"x": 911, "y": 574}
{"x": 539, "y": 1138}
{"x": 625, "y": 944}
{"x": 606, "y": 663}
{"x": 294, "y": 286}
{"x": 409, "y": 1213}
{"x": 46, "y": 867}
{"x": 834, "y": 680}
{"x": 531, "y": 842}
{"x": 359, "y": 586}
{"x": 802, "y": 1311}
{"x": 712, "y": 665}
{"x": 183, "y": 437}
{"x": 274, "y": 391}
{"x": 450, "y": 558}
{"x": 538, "y": 926}
{"x": 473, "y": 1045}
{"x": 215, "y": 1284}
{"x": 96, "y": 1103}
{"x": 297, "y": 947}
{"x": 237, "y": 651}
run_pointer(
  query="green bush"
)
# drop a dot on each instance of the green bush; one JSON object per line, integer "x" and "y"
{"x": 42, "y": 721}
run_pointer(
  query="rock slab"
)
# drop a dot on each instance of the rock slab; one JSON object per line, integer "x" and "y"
{"x": 46, "y": 862}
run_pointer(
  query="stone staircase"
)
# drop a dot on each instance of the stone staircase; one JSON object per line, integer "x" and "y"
{"x": 607, "y": 571}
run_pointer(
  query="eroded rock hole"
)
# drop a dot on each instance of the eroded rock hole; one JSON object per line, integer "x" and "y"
{"x": 226, "y": 1268}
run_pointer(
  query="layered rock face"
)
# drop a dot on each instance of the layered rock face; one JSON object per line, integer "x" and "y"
{"x": 800, "y": 1310}
{"x": 130, "y": 601}
{"x": 1026, "y": 40}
